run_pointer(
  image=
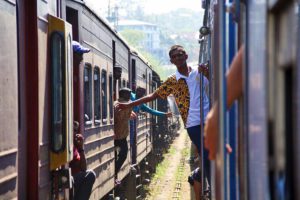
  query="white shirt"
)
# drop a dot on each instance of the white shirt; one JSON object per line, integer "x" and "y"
{"x": 193, "y": 82}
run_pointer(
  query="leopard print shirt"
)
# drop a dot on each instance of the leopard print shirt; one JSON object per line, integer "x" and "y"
{"x": 181, "y": 93}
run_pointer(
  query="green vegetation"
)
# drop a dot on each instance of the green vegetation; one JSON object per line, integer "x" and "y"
{"x": 177, "y": 27}
{"x": 133, "y": 37}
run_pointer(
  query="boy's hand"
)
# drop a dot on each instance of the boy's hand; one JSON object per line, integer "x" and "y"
{"x": 169, "y": 114}
{"x": 133, "y": 115}
{"x": 78, "y": 141}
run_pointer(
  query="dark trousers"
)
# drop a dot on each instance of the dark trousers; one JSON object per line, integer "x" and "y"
{"x": 133, "y": 124}
{"x": 83, "y": 184}
{"x": 121, "y": 157}
{"x": 195, "y": 135}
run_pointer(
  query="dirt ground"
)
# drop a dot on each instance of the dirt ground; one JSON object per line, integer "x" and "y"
{"x": 173, "y": 184}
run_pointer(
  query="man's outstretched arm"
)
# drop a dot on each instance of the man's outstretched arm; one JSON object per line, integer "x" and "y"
{"x": 145, "y": 99}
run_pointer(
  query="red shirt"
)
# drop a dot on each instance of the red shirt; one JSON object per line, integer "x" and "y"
{"x": 75, "y": 162}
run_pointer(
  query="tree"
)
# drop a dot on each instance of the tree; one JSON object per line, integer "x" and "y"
{"x": 133, "y": 37}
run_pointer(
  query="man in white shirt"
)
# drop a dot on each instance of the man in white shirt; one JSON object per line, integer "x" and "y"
{"x": 184, "y": 85}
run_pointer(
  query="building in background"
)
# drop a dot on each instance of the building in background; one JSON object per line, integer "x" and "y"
{"x": 151, "y": 41}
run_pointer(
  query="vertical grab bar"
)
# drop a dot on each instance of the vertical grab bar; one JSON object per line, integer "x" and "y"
{"x": 221, "y": 168}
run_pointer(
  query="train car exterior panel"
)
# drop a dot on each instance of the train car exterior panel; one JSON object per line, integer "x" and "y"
{"x": 143, "y": 144}
{"x": 124, "y": 171}
{"x": 97, "y": 32}
{"x": 257, "y": 124}
{"x": 99, "y": 40}
{"x": 9, "y": 101}
{"x": 122, "y": 54}
{"x": 47, "y": 136}
{"x": 44, "y": 8}
{"x": 44, "y": 108}
{"x": 100, "y": 157}
{"x": 141, "y": 138}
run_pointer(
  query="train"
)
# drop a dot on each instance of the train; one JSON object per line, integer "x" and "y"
{"x": 262, "y": 125}
{"x": 46, "y": 87}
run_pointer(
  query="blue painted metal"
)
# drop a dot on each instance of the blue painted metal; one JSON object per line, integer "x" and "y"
{"x": 203, "y": 57}
{"x": 256, "y": 94}
{"x": 232, "y": 113}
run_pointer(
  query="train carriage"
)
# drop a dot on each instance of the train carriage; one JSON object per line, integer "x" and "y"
{"x": 108, "y": 52}
{"x": 9, "y": 152}
{"x": 46, "y": 87}
{"x": 262, "y": 126}
{"x": 140, "y": 72}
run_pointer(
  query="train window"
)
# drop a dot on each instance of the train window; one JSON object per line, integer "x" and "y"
{"x": 149, "y": 84}
{"x": 57, "y": 79}
{"x": 87, "y": 95}
{"x": 124, "y": 83}
{"x": 72, "y": 18}
{"x": 128, "y": 84}
{"x": 104, "y": 95}
{"x": 111, "y": 109}
{"x": 133, "y": 74}
{"x": 114, "y": 53}
{"x": 97, "y": 108}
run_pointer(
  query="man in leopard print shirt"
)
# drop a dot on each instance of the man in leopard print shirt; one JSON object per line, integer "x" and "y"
{"x": 184, "y": 84}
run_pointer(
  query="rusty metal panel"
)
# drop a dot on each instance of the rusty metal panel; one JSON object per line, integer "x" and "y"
{"x": 8, "y": 101}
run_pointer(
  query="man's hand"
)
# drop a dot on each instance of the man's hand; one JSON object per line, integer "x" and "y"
{"x": 78, "y": 141}
{"x": 203, "y": 68}
{"x": 133, "y": 115}
{"x": 211, "y": 132}
{"x": 169, "y": 114}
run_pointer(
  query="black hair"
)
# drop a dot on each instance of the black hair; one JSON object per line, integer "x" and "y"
{"x": 124, "y": 93}
{"x": 176, "y": 47}
{"x": 76, "y": 126}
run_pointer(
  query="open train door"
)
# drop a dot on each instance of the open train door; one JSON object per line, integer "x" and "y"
{"x": 61, "y": 135}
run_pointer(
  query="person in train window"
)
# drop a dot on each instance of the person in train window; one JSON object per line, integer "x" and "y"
{"x": 185, "y": 86}
{"x": 234, "y": 90}
{"x": 140, "y": 92}
{"x": 121, "y": 129}
{"x": 83, "y": 179}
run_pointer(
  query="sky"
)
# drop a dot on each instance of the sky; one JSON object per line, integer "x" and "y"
{"x": 150, "y": 6}
{"x": 162, "y": 6}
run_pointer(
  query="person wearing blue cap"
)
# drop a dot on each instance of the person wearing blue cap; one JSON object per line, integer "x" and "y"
{"x": 78, "y": 48}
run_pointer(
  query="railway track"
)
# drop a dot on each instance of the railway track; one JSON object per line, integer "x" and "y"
{"x": 170, "y": 179}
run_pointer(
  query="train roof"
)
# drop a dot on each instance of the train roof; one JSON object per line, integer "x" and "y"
{"x": 136, "y": 53}
{"x": 113, "y": 30}
{"x": 103, "y": 21}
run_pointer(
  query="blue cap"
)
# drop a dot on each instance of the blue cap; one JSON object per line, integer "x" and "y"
{"x": 78, "y": 48}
